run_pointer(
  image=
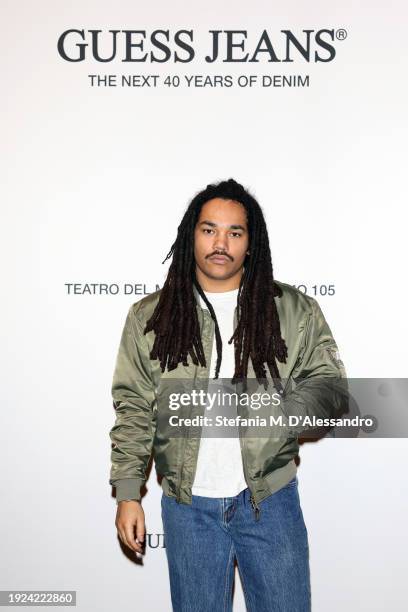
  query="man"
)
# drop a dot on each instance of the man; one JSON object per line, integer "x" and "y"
{"x": 221, "y": 314}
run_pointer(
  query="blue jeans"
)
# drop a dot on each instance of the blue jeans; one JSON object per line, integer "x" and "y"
{"x": 272, "y": 552}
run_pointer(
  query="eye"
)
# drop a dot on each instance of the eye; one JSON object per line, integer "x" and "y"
{"x": 207, "y": 230}
{"x": 236, "y": 234}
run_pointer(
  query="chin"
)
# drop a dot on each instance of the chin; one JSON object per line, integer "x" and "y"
{"x": 222, "y": 275}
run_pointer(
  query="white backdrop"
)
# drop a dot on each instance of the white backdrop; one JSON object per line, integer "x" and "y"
{"x": 95, "y": 181}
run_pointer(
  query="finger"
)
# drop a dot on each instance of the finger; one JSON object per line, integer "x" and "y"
{"x": 140, "y": 530}
{"x": 130, "y": 538}
{"x": 124, "y": 539}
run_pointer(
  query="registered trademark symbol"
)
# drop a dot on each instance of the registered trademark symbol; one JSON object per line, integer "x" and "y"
{"x": 341, "y": 34}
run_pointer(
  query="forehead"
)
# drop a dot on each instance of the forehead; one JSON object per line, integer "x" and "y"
{"x": 223, "y": 211}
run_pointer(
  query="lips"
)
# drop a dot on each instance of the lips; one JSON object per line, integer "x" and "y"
{"x": 219, "y": 259}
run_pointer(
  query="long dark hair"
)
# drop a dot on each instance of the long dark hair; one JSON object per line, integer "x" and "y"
{"x": 175, "y": 321}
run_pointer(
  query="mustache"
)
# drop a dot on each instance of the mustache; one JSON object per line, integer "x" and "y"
{"x": 220, "y": 253}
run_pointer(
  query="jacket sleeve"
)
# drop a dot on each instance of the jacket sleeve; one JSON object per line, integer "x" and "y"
{"x": 321, "y": 387}
{"x": 133, "y": 396}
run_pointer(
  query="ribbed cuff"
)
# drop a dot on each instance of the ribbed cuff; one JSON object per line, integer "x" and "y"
{"x": 127, "y": 488}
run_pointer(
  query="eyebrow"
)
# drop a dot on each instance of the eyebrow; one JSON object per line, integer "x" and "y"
{"x": 241, "y": 227}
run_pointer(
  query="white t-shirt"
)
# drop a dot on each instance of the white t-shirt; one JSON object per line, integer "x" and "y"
{"x": 219, "y": 465}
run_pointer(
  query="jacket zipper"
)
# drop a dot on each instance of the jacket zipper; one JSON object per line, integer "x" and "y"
{"x": 191, "y": 409}
{"x": 254, "y": 504}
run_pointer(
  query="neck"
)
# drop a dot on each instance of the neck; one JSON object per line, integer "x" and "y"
{"x": 216, "y": 285}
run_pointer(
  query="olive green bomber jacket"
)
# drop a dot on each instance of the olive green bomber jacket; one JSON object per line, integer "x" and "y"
{"x": 313, "y": 358}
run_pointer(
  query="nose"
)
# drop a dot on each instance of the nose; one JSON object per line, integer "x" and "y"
{"x": 220, "y": 242}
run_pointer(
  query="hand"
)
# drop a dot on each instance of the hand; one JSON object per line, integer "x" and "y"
{"x": 130, "y": 518}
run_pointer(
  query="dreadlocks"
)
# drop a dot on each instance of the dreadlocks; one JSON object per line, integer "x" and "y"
{"x": 175, "y": 321}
